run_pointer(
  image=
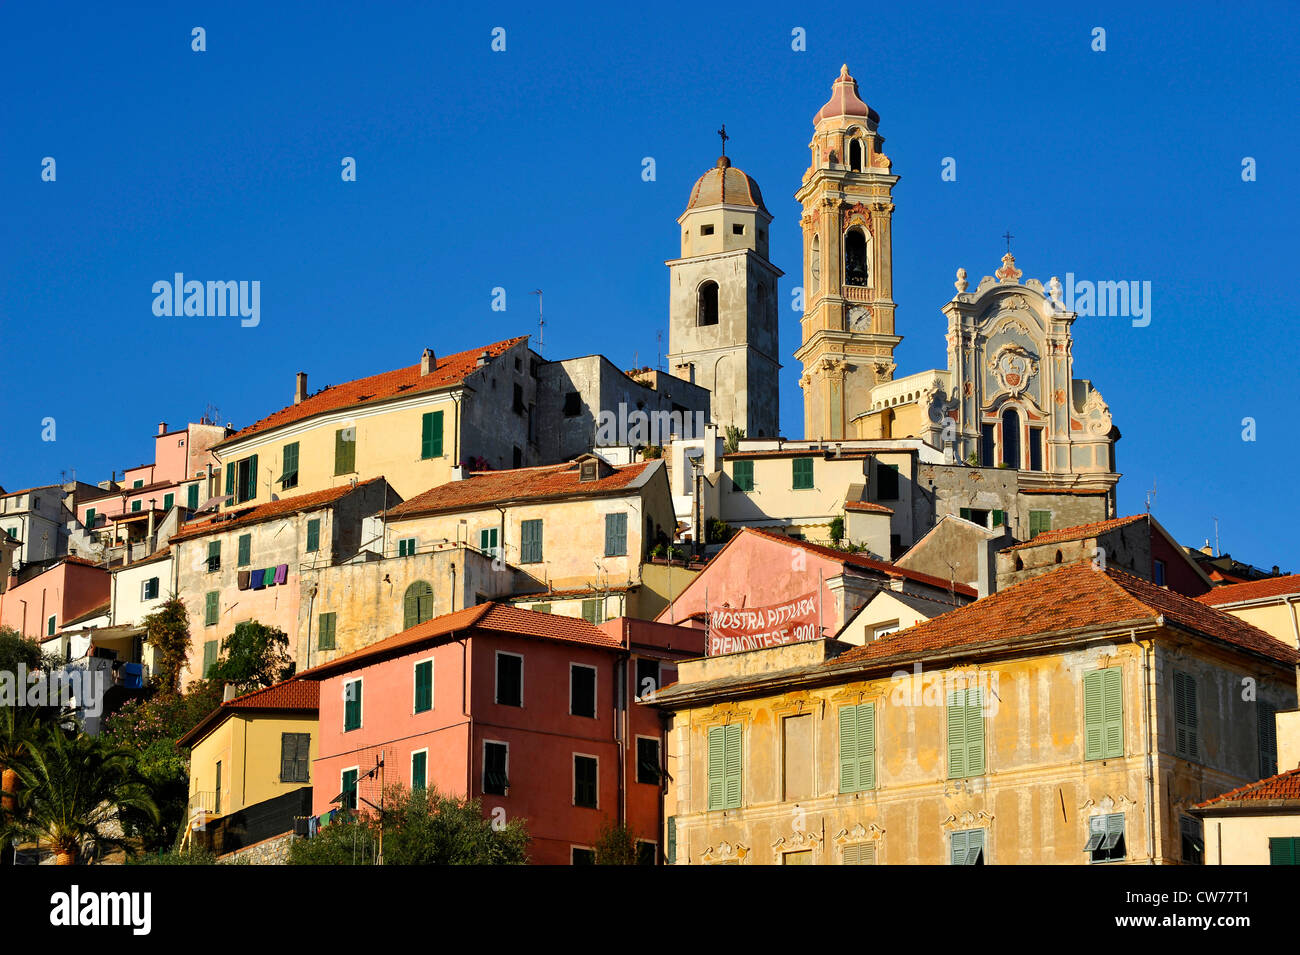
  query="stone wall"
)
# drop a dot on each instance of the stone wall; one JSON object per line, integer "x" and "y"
{"x": 273, "y": 851}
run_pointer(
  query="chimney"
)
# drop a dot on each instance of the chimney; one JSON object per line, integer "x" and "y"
{"x": 162, "y": 427}
{"x": 458, "y": 473}
{"x": 300, "y": 392}
{"x": 483, "y": 359}
{"x": 228, "y": 693}
{"x": 428, "y": 361}
{"x": 1207, "y": 550}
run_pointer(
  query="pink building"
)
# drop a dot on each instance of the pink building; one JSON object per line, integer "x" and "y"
{"x": 533, "y": 714}
{"x": 41, "y": 605}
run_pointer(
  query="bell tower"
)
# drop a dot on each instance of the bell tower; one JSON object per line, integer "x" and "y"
{"x": 722, "y": 332}
{"x": 848, "y": 321}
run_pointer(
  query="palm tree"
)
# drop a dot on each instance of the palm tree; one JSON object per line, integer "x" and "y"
{"x": 73, "y": 787}
{"x": 17, "y": 731}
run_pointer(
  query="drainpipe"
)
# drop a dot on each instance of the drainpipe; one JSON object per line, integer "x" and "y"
{"x": 453, "y": 587}
{"x": 464, "y": 706}
{"x": 1295, "y": 627}
{"x": 1146, "y": 732}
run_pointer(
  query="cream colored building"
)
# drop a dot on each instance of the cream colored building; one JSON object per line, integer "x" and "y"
{"x": 1272, "y": 604}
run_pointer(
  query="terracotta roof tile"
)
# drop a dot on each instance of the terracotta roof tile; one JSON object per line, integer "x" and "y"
{"x": 484, "y": 488}
{"x": 266, "y": 512}
{"x": 493, "y": 616}
{"x": 1072, "y": 597}
{"x": 449, "y": 370}
{"x": 867, "y": 506}
{"x": 1079, "y": 531}
{"x": 1283, "y": 786}
{"x": 724, "y": 183}
{"x": 867, "y": 563}
{"x": 293, "y": 694}
{"x": 1254, "y": 590}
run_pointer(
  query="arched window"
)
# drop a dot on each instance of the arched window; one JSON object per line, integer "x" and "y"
{"x": 707, "y": 310}
{"x": 855, "y": 258}
{"x": 1058, "y": 557}
{"x": 1020, "y": 564}
{"x": 1011, "y": 438}
{"x": 855, "y": 156}
{"x": 417, "y": 605}
{"x": 815, "y": 266}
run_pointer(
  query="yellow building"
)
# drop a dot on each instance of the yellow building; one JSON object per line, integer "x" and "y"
{"x": 1074, "y": 718}
{"x": 252, "y": 749}
{"x": 1272, "y": 604}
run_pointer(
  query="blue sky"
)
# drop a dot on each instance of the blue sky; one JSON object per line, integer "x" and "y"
{"x": 522, "y": 169}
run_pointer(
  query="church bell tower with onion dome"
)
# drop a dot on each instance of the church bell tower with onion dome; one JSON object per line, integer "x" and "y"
{"x": 723, "y": 301}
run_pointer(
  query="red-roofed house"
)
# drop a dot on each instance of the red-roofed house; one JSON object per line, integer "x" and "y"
{"x": 1077, "y": 717}
{"x": 1272, "y": 604}
{"x": 529, "y": 712}
{"x": 42, "y": 604}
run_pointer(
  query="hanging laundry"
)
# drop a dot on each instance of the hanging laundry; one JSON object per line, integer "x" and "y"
{"x": 258, "y": 579}
{"x": 282, "y": 574}
{"x": 268, "y": 577}
{"x": 243, "y": 578}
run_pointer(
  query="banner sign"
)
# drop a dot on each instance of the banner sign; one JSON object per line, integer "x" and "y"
{"x": 731, "y": 631}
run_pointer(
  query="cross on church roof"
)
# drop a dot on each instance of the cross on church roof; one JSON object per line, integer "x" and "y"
{"x": 1008, "y": 236}
{"x": 723, "y": 133}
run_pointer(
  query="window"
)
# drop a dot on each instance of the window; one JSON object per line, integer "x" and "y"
{"x": 517, "y": 457}
{"x": 91, "y": 517}
{"x": 289, "y": 475}
{"x": 1284, "y": 850}
{"x": 149, "y": 589}
{"x": 406, "y": 547}
{"x": 50, "y": 625}
{"x": 1103, "y": 714}
{"x": 647, "y": 760}
{"x": 965, "y": 733}
{"x": 967, "y": 847}
{"x": 886, "y": 482}
{"x": 245, "y": 556}
{"x": 857, "y": 748}
{"x": 798, "y": 857}
{"x": 706, "y": 230}
{"x": 214, "y": 556}
{"x": 519, "y": 399}
{"x": 210, "y": 608}
{"x": 313, "y": 535}
{"x": 855, "y": 155}
{"x": 325, "y": 631}
{"x": 295, "y": 757}
{"x": 424, "y": 686}
{"x": 216, "y": 805}
{"x": 209, "y": 657}
{"x": 855, "y": 259}
{"x": 348, "y": 786}
{"x": 572, "y": 404}
{"x": 1011, "y": 438}
{"x": 345, "y": 451}
{"x": 1035, "y": 449}
{"x": 593, "y": 611}
{"x": 496, "y": 759}
{"x": 419, "y": 769}
{"x": 510, "y": 679}
{"x": 725, "y": 762}
{"x": 487, "y": 541}
{"x": 1158, "y": 572}
{"x": 1185, "y": 715}
{"x": 742, "y": 475}
{"x": 797, "y": 756}
{"x": 192, "y": 497}
{"x": 431, "y": 434}
{"x": 582, "y": 690}
{"x": 585, "y": 856}
{"x": 540, "y": 608}
{"x": 707, "y": 303}
{"x": 530, "y": 542}
{"x": 616, "y": 535}
{"x": 1106, "y": 838}
{"x": 647, "y": 853}
{"x": 135, "y": 505}
{"x": 585, "y": 772}
{"x": 860, "y": 853}
{"x": 417, "y": 604}
{"x": 138, "y": 483}
{"x": 1193, "y": 840}
{"x": 815, "y": 263}
{"x": 1267, "y": 739}
{"x": 737, "y": 228}
{"x": 168, "y": 501}
{"x": 647, "y": 678}
{"x": 987, "y": 455}
{"x": 245, "y": 474}
{"x": 351, "y": 705}
{"x": 802, "y": 473}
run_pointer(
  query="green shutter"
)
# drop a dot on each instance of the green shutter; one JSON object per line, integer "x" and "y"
{"x": 803, "y": 473}
{"x": 615, "y": 535}
{"x": 1094, "y": 714}
{"x": 956, "y": 734}
{"x": 251, "y": 491}
{"x": 313, "y": 534}
{"x": 431, "y": 435}
{"x": 419, "y": 770}
{"x": 1185, "y": 715}
{"x": 717, "y": 766}
{"x": 90, "y": 518}
{"x": 245, "y": 549}
{"x": 210, "y": 609}
{"x": 192, "y": 497}
{"x": 289, "y": 466}
{"x": 530, "y": 549}
{"x": 168, "y": 501}
{"x": 1114, "y": 710}
{"x": 325, "y": 631}
{"x": 964, "y": 513}
{"x": 230, "y": 479}
{"x": 848, "y": 749}
{"x": 975, "y": 732}
{"x": 867, "y": 746}
{"x": 209, "y": 657}
{"x": 352, "y": 706}
{"x": 135, "y": 505}
{"x": 424, "y": 686}
{"x": 345, "y": 451}
{"x": 999, "y": 518}
{"x": 1284, "y": 850}
{"x": 857, "y": 748}
{"x": 734, "y": 764}
{"x": 958, "y": 851}
{"x": 742, "y": 475}
{"x": 1039, "y": 522}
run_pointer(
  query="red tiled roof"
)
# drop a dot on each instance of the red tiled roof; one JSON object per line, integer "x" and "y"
{"x": 449, "y": 370}
{"x": 266, "y": 512}
{"x": 1079, "y": 531}
{"x": 867, "y": 563}
{"x": 485, "y": 488}
{"x": 1282, "y": 787}
{"x": 293, "y": 694}
{"x": 493, "y": 616}
{"x": 1072, "y": 597}
{"x": 160, "y": 554}
{"x": 99, "y": 611}
{"x": 28, "y": 490}
{"x": 867, "y": 506}
{"x": 1254, "y": 590}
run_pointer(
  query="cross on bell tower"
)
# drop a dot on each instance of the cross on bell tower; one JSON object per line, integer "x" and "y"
{"x": 723, "y": 134}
